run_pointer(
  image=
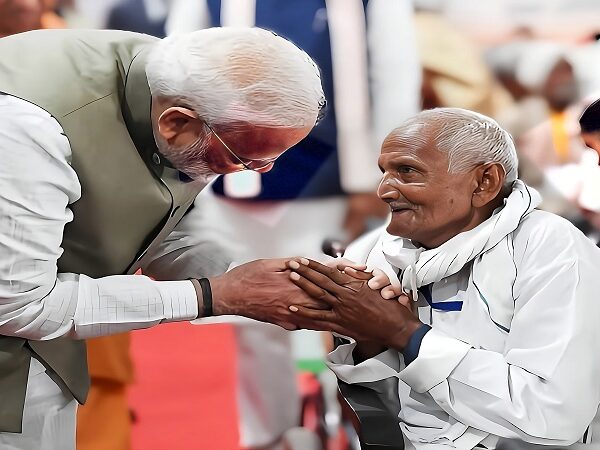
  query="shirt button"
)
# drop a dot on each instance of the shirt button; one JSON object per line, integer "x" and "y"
{"x": 155, "y": 158}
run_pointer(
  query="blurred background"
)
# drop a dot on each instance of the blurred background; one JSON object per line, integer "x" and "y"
{"x": 533, "y": 65}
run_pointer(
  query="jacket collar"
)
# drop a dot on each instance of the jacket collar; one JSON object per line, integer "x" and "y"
{"x": 136, "y": 107}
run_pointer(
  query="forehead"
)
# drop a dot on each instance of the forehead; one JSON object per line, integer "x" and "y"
{"x": 419, "y": 147}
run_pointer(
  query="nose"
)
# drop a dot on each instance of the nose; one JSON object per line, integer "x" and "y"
{"x": 386, "y": 190}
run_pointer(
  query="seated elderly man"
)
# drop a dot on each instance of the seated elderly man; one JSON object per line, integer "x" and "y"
{"x": 494, "y": 326}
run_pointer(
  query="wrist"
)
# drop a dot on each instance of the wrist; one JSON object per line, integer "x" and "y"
{"x": 220, "y": 303}
{"x": 399, "y": 340}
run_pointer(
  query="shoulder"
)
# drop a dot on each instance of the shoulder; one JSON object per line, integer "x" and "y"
{"x": 24, "y": 120}
{"x": 543, "y": 234}
{"x": 31, "y": 136}
{"x": 546, "y": 224}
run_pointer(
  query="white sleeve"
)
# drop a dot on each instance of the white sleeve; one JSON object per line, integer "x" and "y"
{"x": 189, "y": 251}
{"x": 544, "y": 387}
{"x": 36, "y": 302}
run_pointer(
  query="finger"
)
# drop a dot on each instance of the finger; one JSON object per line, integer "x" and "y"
{"x": 329, "y": 272}
{"x": 314, "y": 314}
{"x": 405, "y": 301}
{"x": 312, "y": 290}
{"x": 358, "y": 274}
{"x": 391, "y": 292}
{"x": 325, "y": 277}
{"x": 342, "y": 263}
{"x": 379, "y": 280}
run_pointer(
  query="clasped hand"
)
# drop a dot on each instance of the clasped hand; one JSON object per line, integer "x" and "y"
{"x": 357, "y": 308}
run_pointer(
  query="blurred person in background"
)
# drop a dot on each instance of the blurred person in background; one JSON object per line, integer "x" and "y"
{"x": 454, "y": 71}
{"x": 106, "y": 141}
{"x": 18, "y": 16}
{"x": 527, "y": 118}
{"x": 326, "y": 187}
{"x": 140, "y": 16}
{"x": 88, "y": 13}
{"x": 544, "y": 70}
{"x": 50, "y": 17}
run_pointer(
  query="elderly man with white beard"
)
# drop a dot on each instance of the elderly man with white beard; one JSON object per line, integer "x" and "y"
{"x": 106, "y": 139}
{"x": 493, "y": 328}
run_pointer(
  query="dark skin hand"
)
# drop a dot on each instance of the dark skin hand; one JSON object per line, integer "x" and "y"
{"x": 355, "y": 310}
{"x": 260, "y": 290}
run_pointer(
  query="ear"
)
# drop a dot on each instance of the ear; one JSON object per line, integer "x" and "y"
{"x": 489, "y": 181}
{"x": 177, "y": 121}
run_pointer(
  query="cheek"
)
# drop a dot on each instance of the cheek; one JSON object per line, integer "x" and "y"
{"x": 452, "y": 206}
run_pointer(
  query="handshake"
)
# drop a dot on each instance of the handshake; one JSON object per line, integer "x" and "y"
{"x": 341, "y": 297}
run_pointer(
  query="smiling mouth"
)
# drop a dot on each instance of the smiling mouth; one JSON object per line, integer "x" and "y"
{"x": 400, "y": 208}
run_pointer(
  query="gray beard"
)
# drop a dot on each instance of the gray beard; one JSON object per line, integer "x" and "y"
{"x": 189, "y": 160}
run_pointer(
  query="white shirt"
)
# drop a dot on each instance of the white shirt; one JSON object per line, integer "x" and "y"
{"x": 518, "y": 363}
{"x": 37, "y": 185}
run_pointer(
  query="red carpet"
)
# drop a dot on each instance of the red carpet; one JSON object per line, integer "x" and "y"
{"x": 184, "y": 396}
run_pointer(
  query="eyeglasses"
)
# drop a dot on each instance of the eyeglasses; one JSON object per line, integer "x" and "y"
{"x": 252, "y": 164}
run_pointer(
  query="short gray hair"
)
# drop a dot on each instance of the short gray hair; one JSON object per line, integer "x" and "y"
{"x": 469, "y": 139}
{"x": 233, "y": 74}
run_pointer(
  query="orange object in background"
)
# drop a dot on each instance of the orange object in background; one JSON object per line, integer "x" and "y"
{"x": 111, "y": 372}
{"x": 104, "y": 422}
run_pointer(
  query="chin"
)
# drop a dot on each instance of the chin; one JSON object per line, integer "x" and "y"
{"x": 396, "y": 229}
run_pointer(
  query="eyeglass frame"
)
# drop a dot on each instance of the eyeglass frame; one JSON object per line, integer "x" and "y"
{"x": 246, "y": 165}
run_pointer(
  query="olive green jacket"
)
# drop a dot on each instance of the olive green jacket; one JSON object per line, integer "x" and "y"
{"x": 94, "y": 84}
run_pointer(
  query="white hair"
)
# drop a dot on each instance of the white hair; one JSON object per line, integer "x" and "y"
{"x": 230, "y": 75}
{"x": 469, "y": 138}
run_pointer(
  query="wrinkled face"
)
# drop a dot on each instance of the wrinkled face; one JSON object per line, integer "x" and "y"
{"x": 429, "y": 205}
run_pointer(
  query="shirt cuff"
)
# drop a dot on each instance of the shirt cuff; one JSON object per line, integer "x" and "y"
{"x": 414, "y": 344}
{"x": 180, "y": 300}
{"x": 438, "y": 356}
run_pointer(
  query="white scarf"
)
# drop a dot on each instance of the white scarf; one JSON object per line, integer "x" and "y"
{"x": 421, "y": 267}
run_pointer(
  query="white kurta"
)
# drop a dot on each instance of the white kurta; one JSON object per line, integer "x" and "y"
{"x": 518, "y": 360}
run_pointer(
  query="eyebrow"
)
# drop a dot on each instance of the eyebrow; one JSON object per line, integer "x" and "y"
{"x": 404, "y": 159}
